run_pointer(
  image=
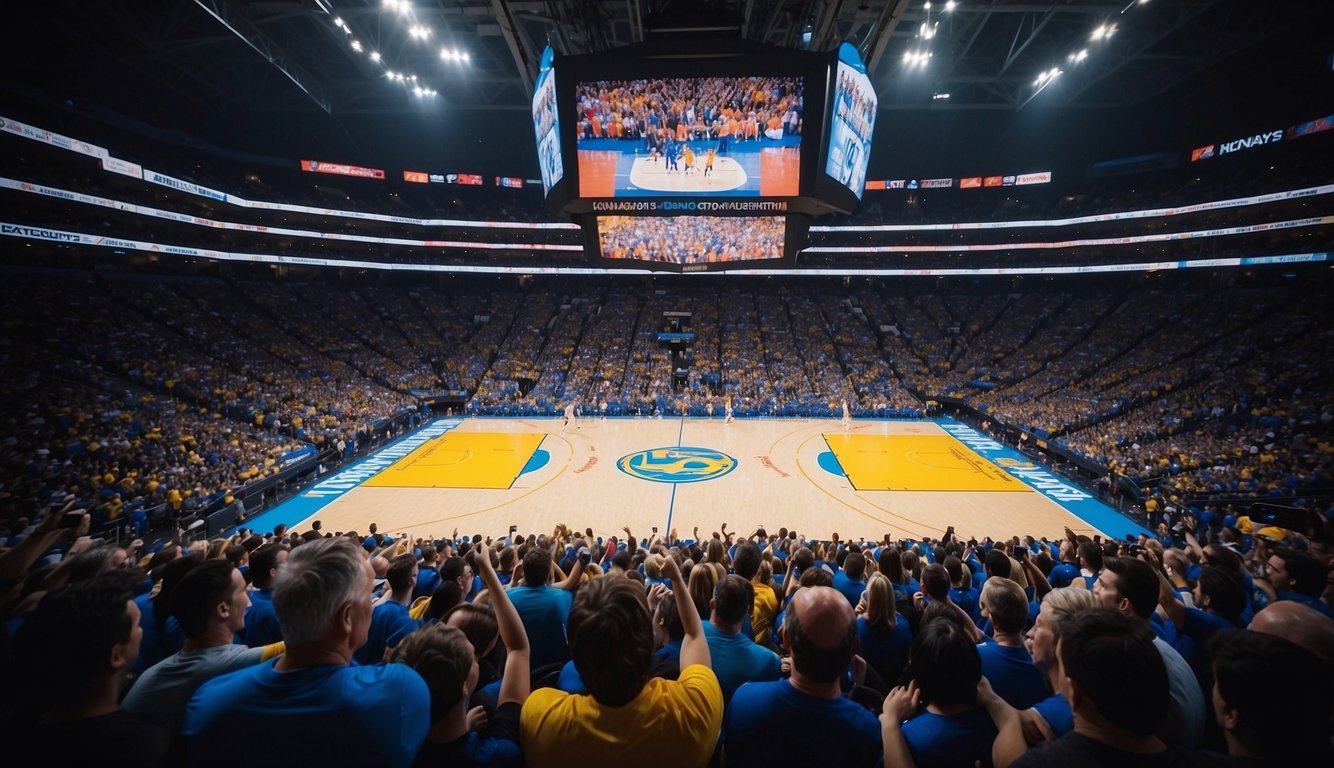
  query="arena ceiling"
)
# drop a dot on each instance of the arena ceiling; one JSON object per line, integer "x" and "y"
{"x": 210, "y": 64}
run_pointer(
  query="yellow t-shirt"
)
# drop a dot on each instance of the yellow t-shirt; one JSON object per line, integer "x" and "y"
{"x": 671, "y": 723}
{"x": 765, "y": 611}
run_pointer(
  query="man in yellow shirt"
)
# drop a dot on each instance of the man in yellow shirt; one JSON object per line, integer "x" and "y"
{"x": 627, "y": 716}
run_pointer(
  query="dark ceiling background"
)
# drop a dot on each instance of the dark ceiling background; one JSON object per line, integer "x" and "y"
{"x": 279, "y": 79}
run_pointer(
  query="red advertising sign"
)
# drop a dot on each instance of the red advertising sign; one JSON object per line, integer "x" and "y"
{"x": 971, "y": 182}
{"x": 875, "y": 184}
{"x": 512, "y": 182}
{"x": 416, "y": 177}
{"x": 466, "y": 179}
{"x": 340, "y": 169}
{"x": 991, "y": 181}
{"x": 1202, "y": 153}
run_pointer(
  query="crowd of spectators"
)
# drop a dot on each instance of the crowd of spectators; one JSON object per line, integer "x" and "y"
{"x": 715, "y": 648}
{"x": 739, "y": 108}
{"x": 692, "y": 240}
{"x": 1207, "y": 391}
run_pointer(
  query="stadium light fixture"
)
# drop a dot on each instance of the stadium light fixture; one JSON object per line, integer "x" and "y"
{"x": 1046, "y": 78}
{"x": 1104, "y": 31}
{"x": 419, "y": 31}
{"x": 1079, "y": 56}
{"x": 375, "y": 56}
{"x": 916, "y": 58}
{"x": 951, "y": 5}
{"x": 356, "y": 46}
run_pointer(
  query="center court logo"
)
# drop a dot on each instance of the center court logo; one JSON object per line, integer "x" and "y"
{"x": 677, "y": 465}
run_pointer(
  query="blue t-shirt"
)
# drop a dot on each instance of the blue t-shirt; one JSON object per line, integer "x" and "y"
{"x": 428, "y": 579}
{"x": 570, "y": 681}
{"x": 344, "y": 715}
{"x": 737, "y": 659}
{"x": 852, "y": 589}
{"x": 1056, "y": 711}
{"x": 906, "y": 591}
{"x": 887, "y": 654}
{"x": 390, "y": 623}
{"x": 1200, "y": 627}
{"x": 1012, "y": 675}
{"x": 150, "y": 648}
{"x": 545, "y": 611}
{"x": 261, "y": 620}
{"x": 768, "y": 724}
{"x": 968, "y": 599}
{"x": 942, "y": 741}
{"x": 1062, "y": 574}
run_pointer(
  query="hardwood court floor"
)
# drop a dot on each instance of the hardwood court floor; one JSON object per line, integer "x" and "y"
{"x": 678, "y": 473}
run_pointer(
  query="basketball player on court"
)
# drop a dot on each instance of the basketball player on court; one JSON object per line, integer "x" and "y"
{"x": 847, "y": 415}
{"x": 571, "y": 414}
{"x": 727, "y": 410}
{"x": 708, "y": 160}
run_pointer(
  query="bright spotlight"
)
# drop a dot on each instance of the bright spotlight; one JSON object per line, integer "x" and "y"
{"x": 356, "y": 46}
{"x": 375, "y": 55}
{"x": 951, "y": 4}
{"x": 419, "y": 31}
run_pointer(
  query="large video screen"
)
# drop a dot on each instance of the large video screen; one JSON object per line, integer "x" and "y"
{"x": 690, "y": 136}
{"x": 545, "y": 125}
{"x": 686, "y": 241}
{"x": 852, "y": 122}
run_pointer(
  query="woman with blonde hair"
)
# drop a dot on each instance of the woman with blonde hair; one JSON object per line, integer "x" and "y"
{"x": 884, "y": 636}
{"x": 703, "y": 577}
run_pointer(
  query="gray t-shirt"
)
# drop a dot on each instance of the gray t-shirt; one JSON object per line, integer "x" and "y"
{"x": 161, "y": 692}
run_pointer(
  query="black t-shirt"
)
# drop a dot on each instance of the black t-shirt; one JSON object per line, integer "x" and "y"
{"x": 107, "y": 741}
{"x": 497, "y": 746}
{"x": 1079, "y": 751}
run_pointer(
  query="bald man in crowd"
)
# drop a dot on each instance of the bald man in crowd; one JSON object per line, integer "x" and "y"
{"x": 1298, "y": 623}
{"x": 771, "y": 723}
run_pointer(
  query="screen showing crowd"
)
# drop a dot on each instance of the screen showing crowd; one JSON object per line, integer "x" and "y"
{"x": 545, "y": 126}
{"x": 687, "y": 240}
{"x": 852, "y": 125}
{"x": 709, "y": 136}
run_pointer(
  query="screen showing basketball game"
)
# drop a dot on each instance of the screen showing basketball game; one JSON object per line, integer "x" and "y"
{"x": 689, "y": 136}
{"x": 544, "y": 124}
{"x": 691, "y": 241}
{"x": 852, "y": 122}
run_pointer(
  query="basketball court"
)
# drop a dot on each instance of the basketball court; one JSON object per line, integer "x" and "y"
{"x": 623, "y": 168}
{"x": 906, "y": 478}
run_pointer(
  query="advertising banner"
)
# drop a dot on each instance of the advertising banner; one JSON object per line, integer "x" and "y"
{"x": 341, "y": 169}
{"x": 116, "y": 165}
{"x": 1041, "y": 177}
